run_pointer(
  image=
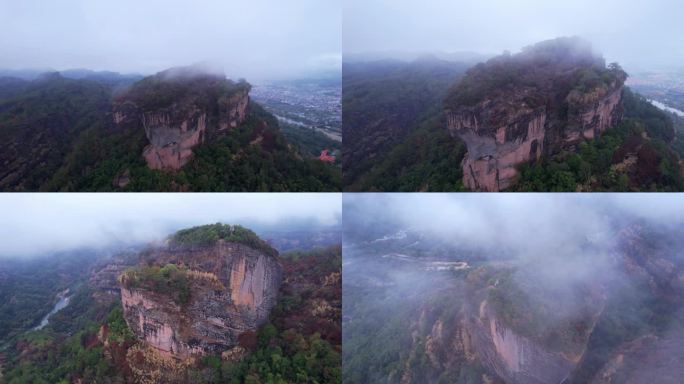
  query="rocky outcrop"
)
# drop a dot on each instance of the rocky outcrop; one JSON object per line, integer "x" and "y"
{"x": 543, "y": 343}
{"x": 172, "y": 134}
{"x": 232, "y": 290}
{"x": 491, "y": 161}
{"x": 514, "y": 358}
{"x": 104, "y": 280}
{"x": 180, "y": 112}
{"x": 516, "y": 109}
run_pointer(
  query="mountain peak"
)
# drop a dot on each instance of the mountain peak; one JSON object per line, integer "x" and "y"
{"x": 514, "y": 109}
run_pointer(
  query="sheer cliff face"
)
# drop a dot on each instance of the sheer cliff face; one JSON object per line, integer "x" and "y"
{"x": 474, "y": 334}
{"x": 177, "y": 121}
{"x": 494, "y": 153}
{"x": 446, "y": 344}
{"x": 514, "y": 358}
{"x": 530, "y": 105}
{"x": 232, "y": 290}
{"x": 172, "y": 134}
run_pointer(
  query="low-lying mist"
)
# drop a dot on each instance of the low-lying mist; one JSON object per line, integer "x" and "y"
{"x": 562, "y": 238}
{"x": 35, "y": 224}
{"x": 569, "y": 271}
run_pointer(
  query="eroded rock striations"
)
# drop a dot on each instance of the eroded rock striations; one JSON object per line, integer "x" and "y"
{"x": 515, "y": 109}
{"x": 179, "y": 109}
{"x": 204, "y": 297}
{"x": 516, "y": 358}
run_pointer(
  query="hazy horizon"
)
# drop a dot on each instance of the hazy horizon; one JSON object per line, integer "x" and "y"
{"x": 640, "y": 36}
{"x": 258, "y": 40}
{"x": 35, "y": 224}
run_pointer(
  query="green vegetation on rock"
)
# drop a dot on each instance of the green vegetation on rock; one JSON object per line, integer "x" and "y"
{"x": 170, "y": 280}
{"x": 641, "y": 142}
{"x": 166, "y": 88}
{"x": 211, "y": 233}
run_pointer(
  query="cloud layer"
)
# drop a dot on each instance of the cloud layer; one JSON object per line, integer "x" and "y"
{"x": 44, "y": 223}
{"x": 253, "y": 39}
{"x": 638, "y": 34}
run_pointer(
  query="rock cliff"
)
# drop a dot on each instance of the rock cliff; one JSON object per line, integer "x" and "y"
{"x": 515, "y": 109}
{"x": 202, "y": 299}
{"x": 515, "y": 358}
{"x": 180, "y": 109}
{"x": 524, "y": 339}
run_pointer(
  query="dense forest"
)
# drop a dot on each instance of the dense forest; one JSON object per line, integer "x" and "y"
{"x": 28, "y": 288}
{"x": 58, "y": 135}
{"x": 393, "y": 125}
{"x": 89, "y": 339}
{"x": 641, "y": 154}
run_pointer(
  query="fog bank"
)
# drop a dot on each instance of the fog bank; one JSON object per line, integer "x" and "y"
{"x": 40, "y": 223}
{"x": 257, "y": 39}
{"x": 640, "y": 35}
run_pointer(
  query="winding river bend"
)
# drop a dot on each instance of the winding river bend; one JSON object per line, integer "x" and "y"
{"x": 61, "y": 304}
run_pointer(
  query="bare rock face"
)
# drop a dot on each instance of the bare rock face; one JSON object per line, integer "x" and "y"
{"x": 543, "y": 344}
{"x": 514, "y": 358}
{"x": 104, "y": 279}
{"x": 491, "y": 161}
{"x": 172, "y": 134}
{"x": 232, "y": 290}
{"x": 516, "y": 109}
{"x": 180, "y": 110}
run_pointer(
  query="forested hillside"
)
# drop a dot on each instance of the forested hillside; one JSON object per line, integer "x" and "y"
{"x": 58, "y": 134}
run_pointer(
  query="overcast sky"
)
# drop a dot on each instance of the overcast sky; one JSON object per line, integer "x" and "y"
{"x": 45, "y": 223}
{"x": 638, "y": 34}
{"x": 527, "y": 222}
{"x": 252, "y": 39}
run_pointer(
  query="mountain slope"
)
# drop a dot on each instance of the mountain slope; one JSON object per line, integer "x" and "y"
{"x": 391, "y": 113}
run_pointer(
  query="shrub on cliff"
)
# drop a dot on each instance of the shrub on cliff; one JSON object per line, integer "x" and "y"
{"x": 169, "y": 280}
{"x": 211, "y": 233}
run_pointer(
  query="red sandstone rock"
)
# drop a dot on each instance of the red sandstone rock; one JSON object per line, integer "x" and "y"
{"x": 538, "y": 113}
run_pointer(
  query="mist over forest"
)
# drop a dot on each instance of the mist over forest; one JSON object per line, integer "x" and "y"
{"x": 53, "y": 223}
{"x": 566, "y": 282}
{"x": 379, "y": 28}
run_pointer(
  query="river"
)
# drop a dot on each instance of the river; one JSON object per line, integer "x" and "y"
{"x": 667, "y": 108}
{"x": 61, "y": 304}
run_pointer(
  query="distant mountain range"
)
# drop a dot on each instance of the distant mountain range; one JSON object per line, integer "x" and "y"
{"x": 76, "y": 73}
